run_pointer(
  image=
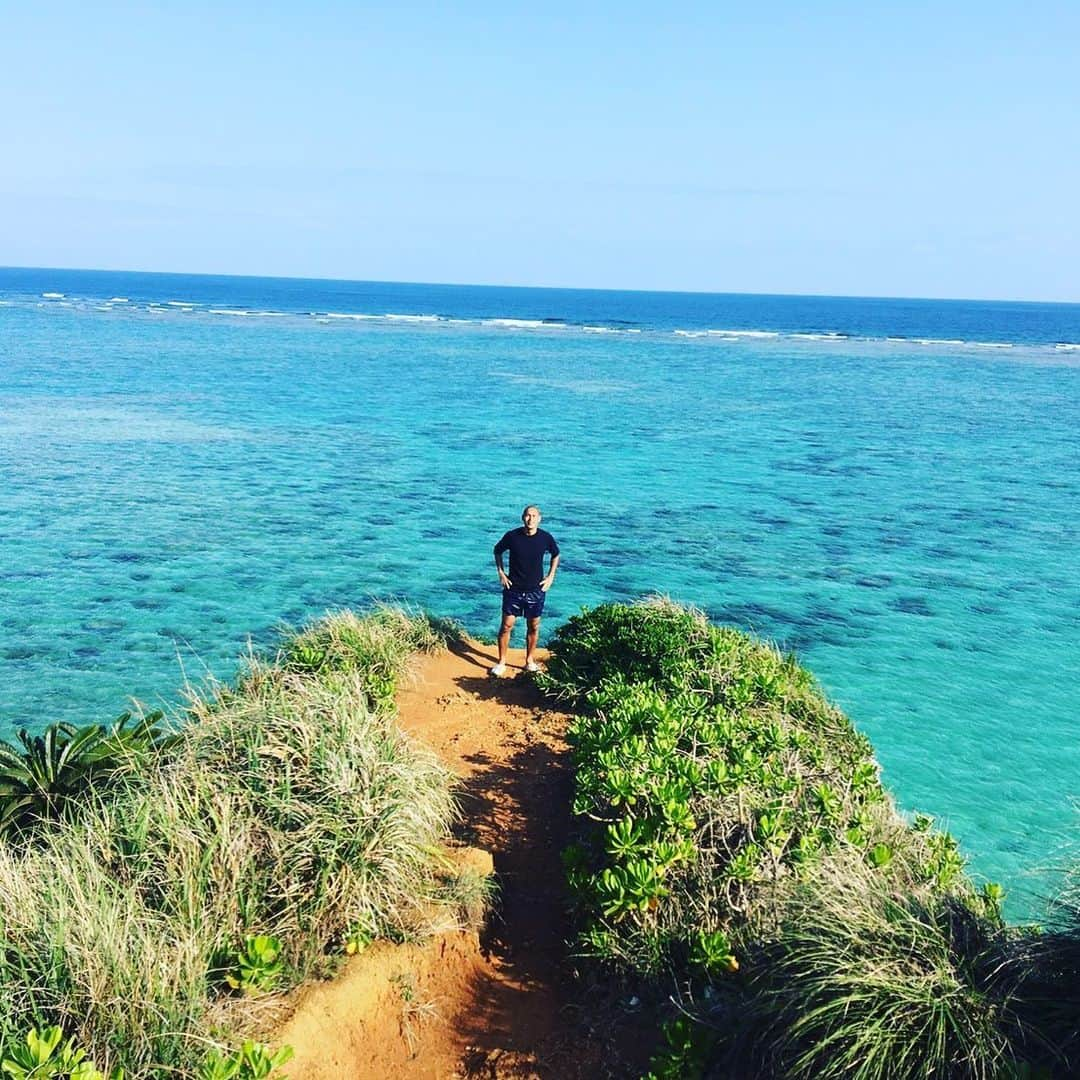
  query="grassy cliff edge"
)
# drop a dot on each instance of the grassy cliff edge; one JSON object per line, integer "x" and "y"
{"x": 738, "y": 854}
{"x": 146, "y": 906}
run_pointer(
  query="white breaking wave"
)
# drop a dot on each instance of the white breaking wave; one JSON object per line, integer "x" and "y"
{"x": 512, "y": 323}
{"x": 523, "y": 324}
{"x": 744, "y": 333}
{"x": 358, "y": 316}
{"x": 952, "y": 342}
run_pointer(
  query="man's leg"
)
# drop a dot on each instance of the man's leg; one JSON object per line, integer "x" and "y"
{"x": 532, "y": 635}
{"x": 504, "y": 636}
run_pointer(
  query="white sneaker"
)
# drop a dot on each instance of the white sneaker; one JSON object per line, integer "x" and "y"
{"x": 532, "y": 665}
{"x": 498, "y": 669}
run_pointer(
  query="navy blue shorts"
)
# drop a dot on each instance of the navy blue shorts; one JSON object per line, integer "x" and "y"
{"x": 527, "y": 602}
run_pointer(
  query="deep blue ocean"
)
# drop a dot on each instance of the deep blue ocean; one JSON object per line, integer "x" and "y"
{"x": 889, "y": 487}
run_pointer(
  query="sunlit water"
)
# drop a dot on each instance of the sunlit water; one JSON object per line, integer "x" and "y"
{"x": 904, "y": 514}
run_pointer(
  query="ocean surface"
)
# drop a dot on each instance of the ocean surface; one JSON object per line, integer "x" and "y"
{"x": 889, "y": 487}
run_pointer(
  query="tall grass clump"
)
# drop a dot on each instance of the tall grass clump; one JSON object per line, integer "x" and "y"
{"x": 288, "y": 814}
{"x": 1047, "y": 968}
{"x": 866, "y": 980}
{"x": 737, "y": 849}
{"x": 378, "y": 644}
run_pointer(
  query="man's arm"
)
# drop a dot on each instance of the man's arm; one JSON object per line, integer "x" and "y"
{"x": 500, "y": 547}
{"x": 546, "y": 583}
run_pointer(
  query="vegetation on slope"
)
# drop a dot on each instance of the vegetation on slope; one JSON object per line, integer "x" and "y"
{"x": 738, "y": 851}
{"x": 286, "y": 816}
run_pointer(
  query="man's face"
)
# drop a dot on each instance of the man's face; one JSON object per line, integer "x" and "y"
{"x": 531, "y": 518}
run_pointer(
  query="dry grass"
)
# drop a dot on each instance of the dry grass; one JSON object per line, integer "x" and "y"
{"x": 291, "y": 805}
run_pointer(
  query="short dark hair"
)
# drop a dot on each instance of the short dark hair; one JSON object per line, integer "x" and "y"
{"x": 531, "y": 506}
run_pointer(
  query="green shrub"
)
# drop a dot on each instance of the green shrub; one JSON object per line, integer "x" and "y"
{"x": 252, "y": 1061}
{"x": 710, "y": 775}
{"x": 52, "y": 773}
{"x": 737, "y": 850}
{"x": 46, "y": 1055}
{"x": 256, "y": 966}
{"x": 684, "y": 1051}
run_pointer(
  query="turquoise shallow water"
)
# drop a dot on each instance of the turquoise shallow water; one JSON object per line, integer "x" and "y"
{"x": 905, "y": 517}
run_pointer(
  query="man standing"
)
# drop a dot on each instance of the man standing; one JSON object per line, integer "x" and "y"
{"x": 525, "y": 586}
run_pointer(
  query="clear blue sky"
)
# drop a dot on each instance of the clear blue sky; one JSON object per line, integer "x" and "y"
{"x": 915, "y": 149}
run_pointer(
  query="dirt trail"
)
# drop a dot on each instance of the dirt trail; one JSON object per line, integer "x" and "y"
{"x": 506, "y": 1006}
{"x": 497, "y": 735}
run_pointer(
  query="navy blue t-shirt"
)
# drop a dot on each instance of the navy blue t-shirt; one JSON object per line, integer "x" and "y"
{"x": 526, "y": 556}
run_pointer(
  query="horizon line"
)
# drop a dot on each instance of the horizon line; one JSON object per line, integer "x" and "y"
{"x": 548, "y": 288}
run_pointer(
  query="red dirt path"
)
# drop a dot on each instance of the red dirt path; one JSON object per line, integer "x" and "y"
{"x": 506, "y": 1005}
